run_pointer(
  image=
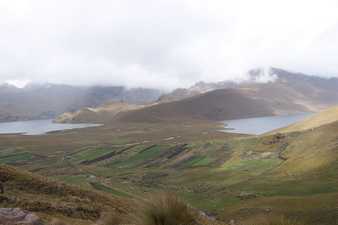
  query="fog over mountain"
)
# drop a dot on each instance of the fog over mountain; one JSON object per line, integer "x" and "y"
{"x": 163, "y": 44}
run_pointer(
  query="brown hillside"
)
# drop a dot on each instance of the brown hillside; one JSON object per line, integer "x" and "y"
{"x": 324, "y": 117}
{"x": 215, "y": 106}
{"x": 50, "y": 199}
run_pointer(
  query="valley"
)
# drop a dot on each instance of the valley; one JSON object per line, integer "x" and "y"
{"x": 229, "y": 176}
{"x": 170, "y": 112}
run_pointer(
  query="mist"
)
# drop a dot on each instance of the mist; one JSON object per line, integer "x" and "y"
{"x": 164, "y": 43}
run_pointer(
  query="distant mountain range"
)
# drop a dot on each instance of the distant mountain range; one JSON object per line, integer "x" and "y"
{"x": 265, "y": 93}
{"x": 49, "y": 100}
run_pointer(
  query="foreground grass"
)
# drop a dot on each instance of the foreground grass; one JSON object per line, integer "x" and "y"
{"x": 168, "y": 209}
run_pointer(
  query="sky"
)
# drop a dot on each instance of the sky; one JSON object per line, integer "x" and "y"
{"x": 163, "y": 43}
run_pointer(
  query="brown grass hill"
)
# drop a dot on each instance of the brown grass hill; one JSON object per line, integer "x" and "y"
{"x": 215, "y": 105}
{"x": 324, "y": 117}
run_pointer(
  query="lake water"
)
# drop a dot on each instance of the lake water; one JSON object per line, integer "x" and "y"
{"x": 261, "y": 125}
{"x": 38, "y": 127}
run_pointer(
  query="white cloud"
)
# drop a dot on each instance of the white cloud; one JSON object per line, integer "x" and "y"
{"x": 163, "y": 43}
{"x": 18, "y": 83}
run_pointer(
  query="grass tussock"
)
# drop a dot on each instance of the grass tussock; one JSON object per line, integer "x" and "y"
{"x": 160, "y": 209}
{"x": 166, "y": 209}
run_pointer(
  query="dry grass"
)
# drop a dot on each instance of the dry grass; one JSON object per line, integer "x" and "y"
{"x": 160, "y": 209}
{"x": 57, "y": 222}
{"x": 166, "y": 209}
{"x": 324, "y": 117}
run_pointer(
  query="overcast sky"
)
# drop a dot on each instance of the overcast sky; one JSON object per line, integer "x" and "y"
{"x": 163, "y": 43}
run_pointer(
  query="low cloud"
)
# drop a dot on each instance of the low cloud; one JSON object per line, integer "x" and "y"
{"x": 163, "y": 43}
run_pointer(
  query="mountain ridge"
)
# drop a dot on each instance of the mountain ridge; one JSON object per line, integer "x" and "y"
{"x": 275, "y": 92}
{"x": 37, "y": 101}
{"x": 283, "y": 91}
{"x": 280, "y": 87}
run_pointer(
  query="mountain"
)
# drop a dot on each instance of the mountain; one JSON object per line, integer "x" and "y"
{"x": 286, "y": 92}
{"x": 215, "y": 105}
{"x": 281, "y": 91}
{"x": 49, "y": 100}
{"x": 264, "y": 93}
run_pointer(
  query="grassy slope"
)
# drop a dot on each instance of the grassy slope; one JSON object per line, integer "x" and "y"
{"x": 324, "y": 117}
{"x": 52, "y": 199}
{"x": 74, "y": 205}
{"x": 210, "y": 171}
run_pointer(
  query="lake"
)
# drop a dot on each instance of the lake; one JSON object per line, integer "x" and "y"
{"x": 38, "y": 127}
{"x": 261, "y": 125}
